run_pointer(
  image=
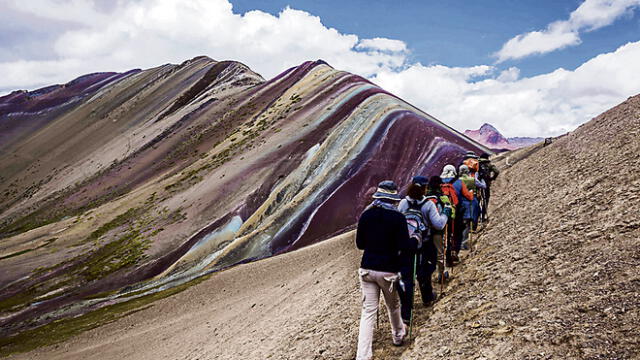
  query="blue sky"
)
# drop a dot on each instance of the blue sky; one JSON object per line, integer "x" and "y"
{"x": 459, "y": 33}
{"x": 530, "y": 68}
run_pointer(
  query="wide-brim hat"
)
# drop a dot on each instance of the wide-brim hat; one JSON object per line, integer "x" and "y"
{"x": 387, "y": 190}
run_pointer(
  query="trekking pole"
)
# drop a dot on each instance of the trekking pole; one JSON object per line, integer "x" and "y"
{"x": 445, "y": 240}
{"x": 453, "y": 242}
{"x": 415, "y": 261}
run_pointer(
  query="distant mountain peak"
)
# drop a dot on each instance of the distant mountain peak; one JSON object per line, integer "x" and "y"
{"x": 488, "y": 127}
{"x": 490, "y": 137}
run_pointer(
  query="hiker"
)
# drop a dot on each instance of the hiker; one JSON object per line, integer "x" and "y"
{"x": 465, "y": 197}
{"x": 488, "y": 172}
{"x": 468, "y": 206}
{"x": 435, "y": 195}
{"x": 450, "y": 196}
{"x": 382, "y": 234}
{"x": 472, "y": 163}
{"x": 427, "y": 253}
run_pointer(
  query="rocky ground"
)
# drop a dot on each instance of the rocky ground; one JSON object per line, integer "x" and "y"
{"x": 555, "y": 275}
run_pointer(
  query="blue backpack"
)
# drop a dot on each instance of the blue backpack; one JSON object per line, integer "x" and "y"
{"x": 415, "y": 221}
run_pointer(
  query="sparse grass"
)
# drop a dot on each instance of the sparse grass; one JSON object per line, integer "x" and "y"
{"x": 118, "y": 221}
{"x": 61, "y": 330}
{"x": 125, "y": 251}
{"x": 47, "y": 242}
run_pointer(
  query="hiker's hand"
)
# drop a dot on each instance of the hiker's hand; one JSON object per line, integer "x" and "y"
{"x": 447, "y": 211}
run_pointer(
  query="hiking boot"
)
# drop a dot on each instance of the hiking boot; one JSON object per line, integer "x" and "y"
{"x": 398, "y": 342}
{"x": 439, "y": 276}
{"x": 431, "y": 300}
{"x": 454, "y": 257}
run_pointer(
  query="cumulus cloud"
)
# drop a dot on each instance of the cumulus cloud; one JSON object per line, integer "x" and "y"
{"x": 589, "y": 16}
{"x": 382, "y": 44}
{"x": 543, "y": 105}
{"x": 95, "y": 36}
{"x": 147, "y": 33}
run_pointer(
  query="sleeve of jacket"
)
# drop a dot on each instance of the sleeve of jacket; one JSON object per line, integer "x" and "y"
{"x": 479, "y": 182}
{"x": 403, "y": 236}
{"x": 437, "y": 220}
{"x": 465, "y": 192}
{"x": 403, "y": 206}
{"x": 495, "y": 172}
{"x": 360, "y": 232}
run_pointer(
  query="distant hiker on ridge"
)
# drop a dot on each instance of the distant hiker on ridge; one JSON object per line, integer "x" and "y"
{"x": 382, "y": 234}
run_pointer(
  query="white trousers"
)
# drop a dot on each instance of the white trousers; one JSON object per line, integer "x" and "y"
{"x": 371, "y": 282}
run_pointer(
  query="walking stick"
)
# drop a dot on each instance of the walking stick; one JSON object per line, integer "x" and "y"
{"x": 415, "y": 261}
{"x": 445, "y": 240}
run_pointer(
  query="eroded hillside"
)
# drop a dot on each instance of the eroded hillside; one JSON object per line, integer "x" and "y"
{"x": 166, "y": 174}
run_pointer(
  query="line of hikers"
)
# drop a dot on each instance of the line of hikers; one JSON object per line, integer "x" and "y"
{"x": 409, "y": 238}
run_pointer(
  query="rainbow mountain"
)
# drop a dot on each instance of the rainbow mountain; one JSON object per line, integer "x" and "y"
{"x": 118, "y": 185}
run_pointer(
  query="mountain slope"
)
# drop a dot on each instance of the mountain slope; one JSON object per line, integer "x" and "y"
{"x": 177, "y": 171}
{"x": 561, "y": 282}
{"x": 558, "y": 268}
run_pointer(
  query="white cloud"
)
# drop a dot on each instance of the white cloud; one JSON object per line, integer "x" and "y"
{"x": 543, "y": 105}
{"x": 382, "y": 44}
{"x": 147, "y": 33}
{"x": 589, "y": 16}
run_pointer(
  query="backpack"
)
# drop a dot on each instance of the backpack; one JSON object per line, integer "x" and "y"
{"x": 415, "y": 221}
{"x": 450, "y": 191}
{"x": 485, "y": 171}
{"x": 472, "y": 164}
{"x": 470, "y": 182}
{"x": 446, "y": 200}
{"x": 441, "y": 201}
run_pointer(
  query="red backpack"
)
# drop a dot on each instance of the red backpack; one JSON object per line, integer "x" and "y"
{"x": 450, "y": 191}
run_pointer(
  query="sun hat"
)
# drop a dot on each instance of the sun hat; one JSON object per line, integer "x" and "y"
{"x": 420, "y": 180}
{"x": 387, "y": 190}
{"x": 449, "y": 171}
{"x": 470, "y": 154}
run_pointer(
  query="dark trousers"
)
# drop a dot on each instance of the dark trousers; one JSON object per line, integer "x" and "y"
{"x": 426, "y": 265}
